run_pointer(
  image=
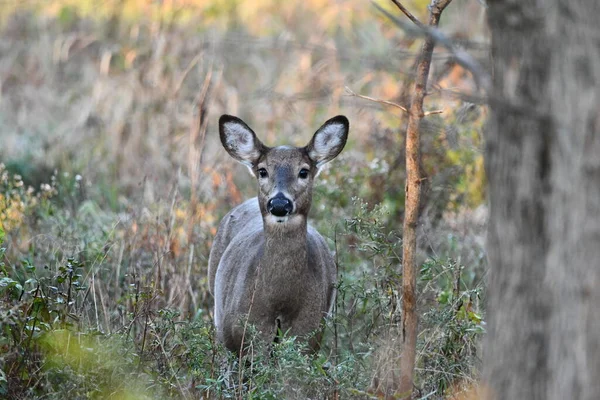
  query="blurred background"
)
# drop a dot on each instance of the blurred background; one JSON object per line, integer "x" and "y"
{"x": 113, "y": 182}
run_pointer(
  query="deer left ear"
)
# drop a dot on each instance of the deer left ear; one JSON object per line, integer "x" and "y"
{"x": 329, "y": 140}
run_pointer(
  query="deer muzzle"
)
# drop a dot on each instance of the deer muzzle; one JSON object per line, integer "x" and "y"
{"x": 280, "y": 206}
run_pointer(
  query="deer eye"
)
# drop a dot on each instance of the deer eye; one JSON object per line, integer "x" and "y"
{"x": 262, "y": 173}
{"x": 303, "y": 174}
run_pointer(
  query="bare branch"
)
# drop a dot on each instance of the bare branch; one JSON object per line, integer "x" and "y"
{"x": 463, "y": 58}
{"x": 440, "y": 5}
{"x": 455, "y": 94}
{"x": 388, "y": 103}
{"x": 407, "y": 13}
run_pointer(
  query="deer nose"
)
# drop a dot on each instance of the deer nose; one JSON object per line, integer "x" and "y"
{"x": 280, "y": 206}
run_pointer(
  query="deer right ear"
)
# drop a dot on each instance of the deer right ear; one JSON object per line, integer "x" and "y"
{"x": 329, "y": 140}
{"x": 239, "y": 140}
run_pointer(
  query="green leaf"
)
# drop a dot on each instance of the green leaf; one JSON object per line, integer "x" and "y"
{"x": 474, "y": 317}
{"x": 5, "y": 282}
{"x": 9, "y": 283}
{"x": 444, "y": 297}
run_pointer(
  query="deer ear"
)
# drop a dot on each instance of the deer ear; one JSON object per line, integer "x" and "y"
{"x": 329, "y": 140}
{"x": 239, "y": 140}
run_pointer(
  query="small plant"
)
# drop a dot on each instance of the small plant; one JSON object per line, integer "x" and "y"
{"x": 33, "y": 304}
{"x": 449, "y": 345}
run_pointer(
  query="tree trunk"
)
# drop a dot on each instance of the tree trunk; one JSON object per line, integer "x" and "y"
{"x": 543, "y": 166}
{"x": 412, "y": 200}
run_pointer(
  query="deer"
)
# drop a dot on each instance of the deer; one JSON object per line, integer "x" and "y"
{"x": 267, "y": 266}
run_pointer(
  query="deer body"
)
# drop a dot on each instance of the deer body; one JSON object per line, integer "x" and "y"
{"x": 267, "y": 265}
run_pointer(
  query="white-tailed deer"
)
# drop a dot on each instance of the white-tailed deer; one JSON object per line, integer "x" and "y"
{"x": 267, "y": 266}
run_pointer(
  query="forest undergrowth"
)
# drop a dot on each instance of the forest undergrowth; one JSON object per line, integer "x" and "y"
{"x": 112, "y": 184}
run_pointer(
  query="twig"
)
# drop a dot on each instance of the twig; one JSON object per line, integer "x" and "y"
{"x": 241, "y": 371}
{"x": 198, "y": 130}
{"x": 471, "y": 98}
{"x": 408, "y": 14}
{"x": 336, "y": 394}
{"x": 463, "y": 58}
{"x": 143, "y": 341}
{"x": 185, "y": 73}
{"x": 387, "y": 103}
{"x": 456, "y": 279}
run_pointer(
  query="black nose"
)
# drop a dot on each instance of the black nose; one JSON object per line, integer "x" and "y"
{"x": 280, "y": 206}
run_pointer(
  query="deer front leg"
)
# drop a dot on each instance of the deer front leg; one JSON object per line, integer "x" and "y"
{"x": 305, "y": 327}
{"x": 243, "y": 333}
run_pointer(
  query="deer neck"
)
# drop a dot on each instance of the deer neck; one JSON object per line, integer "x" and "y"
{"x": 285, "y": 251}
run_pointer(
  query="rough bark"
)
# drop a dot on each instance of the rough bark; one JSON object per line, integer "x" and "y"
{"x": 412, "y": 200}
{"x": 543, "y": 167}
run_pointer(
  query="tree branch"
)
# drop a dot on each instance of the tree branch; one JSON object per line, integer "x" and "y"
{"x": 408, "y": 14}
{"x": 440, "y": 5}
{"x": 410, "y": 318}
{"x": 462, "y": 57}
{"x": 387, "y": 103}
